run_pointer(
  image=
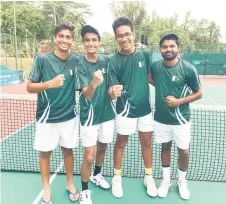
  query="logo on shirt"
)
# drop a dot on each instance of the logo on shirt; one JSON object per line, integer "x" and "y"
{"x": 103, "y": 70}
{"x": 141, "y": 64}
{"x": 174, "y": 78}
{"x": 71, "y": 72}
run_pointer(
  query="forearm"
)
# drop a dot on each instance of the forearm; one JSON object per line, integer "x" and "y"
{"x": 37, "y": 87}
{"x": 89, "y": 91}
{"x": 191, "y": 98}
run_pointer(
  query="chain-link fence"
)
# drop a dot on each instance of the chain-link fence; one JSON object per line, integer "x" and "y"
{"x": 210, "y": 59}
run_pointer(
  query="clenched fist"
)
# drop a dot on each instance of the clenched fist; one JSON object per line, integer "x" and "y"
{"x": 56, "y": 82}
{"x": 117, "y": 90}
{"x": 98, "y": 78}
{"x": 172, "y": 101}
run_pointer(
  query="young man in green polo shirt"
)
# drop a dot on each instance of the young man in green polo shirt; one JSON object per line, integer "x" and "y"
{"x": 128, "y": 82}
{"x": 96, "y": 112}
{"x": 176, "y": 84}
{"x": 55, "y": 77}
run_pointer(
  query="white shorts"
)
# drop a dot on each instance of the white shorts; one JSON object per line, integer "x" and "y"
{"x": 128, "y": 126}
{"x": 180, "y": 133}
{"x": 49, "y": 135}
{"x": 103, "y": 132}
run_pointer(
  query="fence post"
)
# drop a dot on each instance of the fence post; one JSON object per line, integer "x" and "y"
{"x": 205, "y": 62}
{"x": 14, "y": 18}
{"x": 6, "y": 51}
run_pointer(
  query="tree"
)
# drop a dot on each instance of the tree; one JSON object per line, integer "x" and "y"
{"x": 188, "y": 21}
{"x": 150, "y": 29}
{"x": 73, "y": 12}
{"x": 29, "y": 20}
{"x": 136, "y": 10}
{"x": 38, "y": 19}
{"x": 60, "y": 11}
{"x": 108, "y": 44}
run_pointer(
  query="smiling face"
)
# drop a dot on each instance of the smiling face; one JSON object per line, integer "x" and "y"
{"x": 125, "y": 39}
{"x": 63, "y": 40}
{"x": 91, "y": 43}
{"x": 169, "y": 50}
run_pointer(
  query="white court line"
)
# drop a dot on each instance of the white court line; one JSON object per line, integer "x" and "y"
{"x": 16, "y": 131}
{"x": 39, "y": 197}
{"x": 216, "y": 103}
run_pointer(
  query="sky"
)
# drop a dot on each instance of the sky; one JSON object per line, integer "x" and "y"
{"x": 211, "y": 10}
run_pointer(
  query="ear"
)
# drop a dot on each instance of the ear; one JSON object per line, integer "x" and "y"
{"x": 134, "y": 34}
{"x": 178, "y": 49}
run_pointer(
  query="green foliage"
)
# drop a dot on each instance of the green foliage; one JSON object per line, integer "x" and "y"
{"x": 201, "y": 36}
{"x": 108, "y": 44}
{"x": 38, "y": 19}
{"x": 136, "y": 10}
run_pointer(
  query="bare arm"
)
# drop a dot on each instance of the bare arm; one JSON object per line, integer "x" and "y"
{"x": 172, "y": 101}
{"x": 191, "y": 98}
{"x": 89, "y": 91}
{"x": 33, "y": 87}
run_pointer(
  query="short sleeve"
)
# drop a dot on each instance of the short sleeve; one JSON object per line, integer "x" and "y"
{"x": 148, "y": 56}
{"x": 112, "y": 74}
{"x": 80, "y": 77}
{"x": 193, "y": 79}
{"x": 36, "y": 71}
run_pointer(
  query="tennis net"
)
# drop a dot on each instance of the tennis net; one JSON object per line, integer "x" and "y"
{"x": 207, "y": 148}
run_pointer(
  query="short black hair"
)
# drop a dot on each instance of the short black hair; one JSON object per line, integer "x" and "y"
{"x": 124, "y": 20}
{"x": 89, "y": 29}
{"x": 170, "y": 36}
{"x": 64, "y": 26}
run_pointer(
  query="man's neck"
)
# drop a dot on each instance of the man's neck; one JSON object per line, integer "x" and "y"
{"x": 127, "y": 52}
{"x": 91, "y": 57}
{"x": 172, "y": 62}
{"x": 61, "y": 55}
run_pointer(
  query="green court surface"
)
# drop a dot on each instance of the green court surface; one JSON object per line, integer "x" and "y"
{"x": 23, "y": 188}
{"x": 206, "y": 173}
{"x": 211, "y": 96}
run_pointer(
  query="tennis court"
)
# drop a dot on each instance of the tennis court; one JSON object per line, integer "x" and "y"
{"x": 21, "y": 181}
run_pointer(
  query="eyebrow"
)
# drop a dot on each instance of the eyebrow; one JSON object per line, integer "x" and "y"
{"x": 64, "y": 35}
{"x": 90, "y": 38}
{"x": 171, "y": 45}
{"x": 124, "y": 33}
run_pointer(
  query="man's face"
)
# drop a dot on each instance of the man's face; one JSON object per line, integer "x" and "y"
{"x": 64, "y": 40}
{"x": 125, "y": 38}
{"x": 91, "y": 43}
{"x": 169, "y": 50}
